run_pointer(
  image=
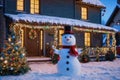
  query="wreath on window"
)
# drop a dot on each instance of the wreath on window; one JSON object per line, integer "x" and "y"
{"x": 32, "y": 34}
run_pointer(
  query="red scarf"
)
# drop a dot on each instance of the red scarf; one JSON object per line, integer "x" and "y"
{"x": 73, "y": 52}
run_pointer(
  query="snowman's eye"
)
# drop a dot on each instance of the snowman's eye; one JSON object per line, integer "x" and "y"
{"x": 70, "y": 37}
{"x": 65, "y": 37}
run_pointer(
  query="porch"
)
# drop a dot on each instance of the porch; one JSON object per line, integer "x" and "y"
{"x": 38, "y": 33}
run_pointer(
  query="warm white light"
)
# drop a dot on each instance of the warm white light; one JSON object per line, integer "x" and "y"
{"x": 5, "y": 61}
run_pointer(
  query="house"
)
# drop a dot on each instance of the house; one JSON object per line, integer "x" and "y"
{"x": 41, "y": 23}
{"x": 114, "y": 21}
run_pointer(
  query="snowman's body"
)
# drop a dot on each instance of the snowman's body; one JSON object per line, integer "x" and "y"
{"x": 68, "y": 64}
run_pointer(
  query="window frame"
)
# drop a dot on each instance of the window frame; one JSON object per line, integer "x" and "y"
{"x": 34, "y": 6}
{"x": 84, "y": 13}
{"x": 20, "y": 7}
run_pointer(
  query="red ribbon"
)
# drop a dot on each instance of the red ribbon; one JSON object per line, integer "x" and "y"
{"x": 73, "y": 52}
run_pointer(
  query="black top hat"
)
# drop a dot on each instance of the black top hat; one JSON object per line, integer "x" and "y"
{"x": 68, "y": 30}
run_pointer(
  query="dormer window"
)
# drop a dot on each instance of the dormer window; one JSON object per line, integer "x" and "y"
{"x": 34, "y": 6}
{"x": 20, "y": 5}
{"x": 84, "y": 14}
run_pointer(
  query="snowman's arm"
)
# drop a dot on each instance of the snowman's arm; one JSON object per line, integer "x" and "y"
{"x": 79, "y": 51}
{"x": 56, "y": 51}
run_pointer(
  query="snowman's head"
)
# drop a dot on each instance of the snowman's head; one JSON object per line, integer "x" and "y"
{"x": 68, "y": 39}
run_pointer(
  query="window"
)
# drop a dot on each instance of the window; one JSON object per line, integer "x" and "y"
{"x": 87, "y": 39}
{"x": 83, "y": 13}
{"x": 34, "y": 6}
{"x": 20, "y": 4}
{"x": 60, "y": 36}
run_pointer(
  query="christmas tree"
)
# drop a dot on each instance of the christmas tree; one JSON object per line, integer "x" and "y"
{"x": 13, "y": 57}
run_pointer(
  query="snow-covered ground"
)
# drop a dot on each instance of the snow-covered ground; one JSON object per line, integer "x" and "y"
{"x": 89, "y": 71}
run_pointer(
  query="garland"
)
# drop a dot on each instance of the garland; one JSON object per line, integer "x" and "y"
{"x": 32, "y": 34}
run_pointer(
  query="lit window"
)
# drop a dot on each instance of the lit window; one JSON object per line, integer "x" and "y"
{"x": 60, "y": 36}
{"x": 84, "y": 13}
{"x": 34, "y": 6}
{"x": 41, "y": 39}
{"x": 87, "y": 39}
{"x": 20, "y": 5}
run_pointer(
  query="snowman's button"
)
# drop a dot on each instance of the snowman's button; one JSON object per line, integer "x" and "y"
{"x": 67, "y": 62}
{"x": 68, "y": 56}
{"x": 68, "y": 51}
{"x": 67, "y": 69}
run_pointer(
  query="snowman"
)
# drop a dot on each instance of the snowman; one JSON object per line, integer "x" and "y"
{"x": 68, "y": 63}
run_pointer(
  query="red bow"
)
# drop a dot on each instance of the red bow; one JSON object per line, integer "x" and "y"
{"x": 73, "y": 52}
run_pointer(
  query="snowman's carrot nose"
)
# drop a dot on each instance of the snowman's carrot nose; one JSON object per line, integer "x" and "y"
{"x": 68, "y": 39}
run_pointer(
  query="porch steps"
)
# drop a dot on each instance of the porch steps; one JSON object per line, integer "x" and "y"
{"x": 38, "y": 59}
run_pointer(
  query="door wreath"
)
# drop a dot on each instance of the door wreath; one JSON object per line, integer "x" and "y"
{"x": 32, "y": 34}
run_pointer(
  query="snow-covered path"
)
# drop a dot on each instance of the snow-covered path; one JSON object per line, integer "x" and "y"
{"x": 89, "y": 71}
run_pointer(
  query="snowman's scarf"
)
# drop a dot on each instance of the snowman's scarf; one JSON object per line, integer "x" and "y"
{"x": 73, "y": 52}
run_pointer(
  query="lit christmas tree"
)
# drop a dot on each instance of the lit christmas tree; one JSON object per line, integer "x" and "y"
{"x": 13, "y": 57}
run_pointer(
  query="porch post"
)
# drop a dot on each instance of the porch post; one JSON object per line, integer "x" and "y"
{"x": 108, "y": 40}
{"x": 114, "y": 42}
{"x": 55, "y": 36}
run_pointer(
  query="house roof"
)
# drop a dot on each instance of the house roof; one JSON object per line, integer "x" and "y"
{"x": 94, "y": 2}
{"x": 42, "y": 19}
{"x": 110, "y": 20}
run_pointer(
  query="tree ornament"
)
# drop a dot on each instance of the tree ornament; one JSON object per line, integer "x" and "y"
{"x": 11, "y": 68}
{"x": 1, "y": 58}
{"x": 32, "y": 34}
{"x": 5, "y": 61}
{"x": 16, "y": 47}
{"x": 9, "y": 39}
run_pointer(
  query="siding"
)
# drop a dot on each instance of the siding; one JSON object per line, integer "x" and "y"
{"x": 10, "y": 6}
{"x": 79, "y": 38}
{"x": 2, "y": 27}
{"x": 96, "y": 39}
{"x": 61, "y": 8}
{"x": 94, "y": 14}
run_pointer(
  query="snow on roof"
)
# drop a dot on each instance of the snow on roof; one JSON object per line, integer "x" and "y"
{"x": 56, "y": 20}
{"x": 94, "y": 2}
{"x": 117, "y": 27}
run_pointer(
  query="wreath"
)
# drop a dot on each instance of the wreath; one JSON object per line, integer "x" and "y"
{"x": 32, "y": 34}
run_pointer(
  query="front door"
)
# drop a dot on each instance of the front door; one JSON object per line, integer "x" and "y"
{"x": 33, "y": 41}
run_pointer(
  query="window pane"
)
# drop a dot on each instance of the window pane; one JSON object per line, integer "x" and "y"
{"x": 34, "y": 6}
{"x": 87, "y": 39}
{"x": 20, "y": 5}
{"x": 84, "y": 13}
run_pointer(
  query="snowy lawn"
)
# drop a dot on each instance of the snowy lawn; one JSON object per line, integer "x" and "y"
{"x": 89, "y": 71}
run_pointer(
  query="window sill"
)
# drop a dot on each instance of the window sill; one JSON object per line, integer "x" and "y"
{"x": 85, "y": 20}
{"x": 18, "y": 11}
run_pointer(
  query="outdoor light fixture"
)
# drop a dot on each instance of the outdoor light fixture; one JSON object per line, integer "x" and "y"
{"x": 118, "y": 22}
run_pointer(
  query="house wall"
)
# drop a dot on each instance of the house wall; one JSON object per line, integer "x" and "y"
{"x": 79, "y": 38}
{"x": 2, "y": 25}
{"x": 10, "y": 6}
{"x": 60, "y": 8}
{"x": 94, "y": 13}
{"x": 96, "y": 39}
{"x": 116, "y": 18}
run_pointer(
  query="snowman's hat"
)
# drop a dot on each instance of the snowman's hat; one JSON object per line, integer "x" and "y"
{"x": 68, "y": 30}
